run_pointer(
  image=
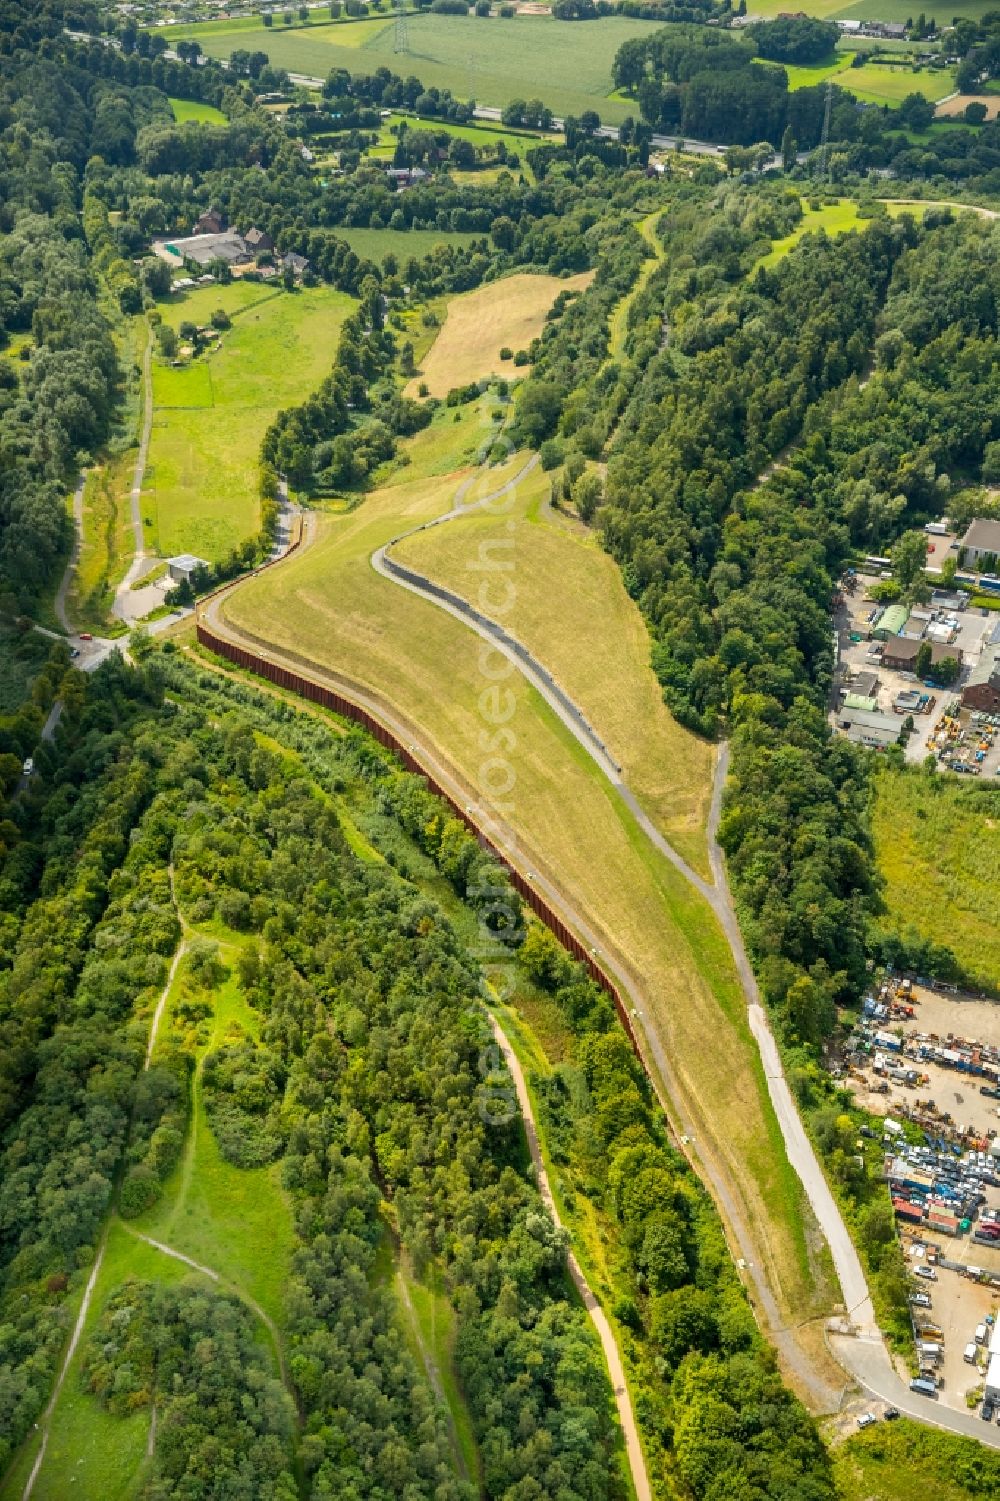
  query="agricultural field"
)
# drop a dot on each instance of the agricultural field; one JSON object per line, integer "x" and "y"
{"x": 564, "y": 582}
{"x": 870, "y": 10}
{"x": 509, "y": 313}
{"x": 200, "y": 493}
{"x": 491, "y": 60}
{"x": 327, "y": 609}
{"x": 351, "y": 32}
{"x": 876, "y": 83}
{"x": 938, "y": 846}
{"x": 193, "y": 109}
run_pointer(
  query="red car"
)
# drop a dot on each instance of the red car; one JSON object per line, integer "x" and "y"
{"x": 86, "y": 636}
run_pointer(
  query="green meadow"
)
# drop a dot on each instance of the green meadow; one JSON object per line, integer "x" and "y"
{"x": 489, "y": 59}
{"x": 193, "y": 109}
{"x": 201, "y": 489}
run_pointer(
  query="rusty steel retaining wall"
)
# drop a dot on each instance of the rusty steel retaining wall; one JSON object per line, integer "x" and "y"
{"x": 329, "y": 698}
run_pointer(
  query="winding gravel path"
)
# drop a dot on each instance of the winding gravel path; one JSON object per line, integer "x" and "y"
{"x": 88, "y": 1292}
{"x": 626, "y": 1415}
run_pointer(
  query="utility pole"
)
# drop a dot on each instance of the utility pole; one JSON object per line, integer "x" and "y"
{"x": 824, "y": 140}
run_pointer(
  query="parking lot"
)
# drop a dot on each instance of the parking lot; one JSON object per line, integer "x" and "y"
{"x": 928, "y": 1059}
{"x": 962, "y": 737}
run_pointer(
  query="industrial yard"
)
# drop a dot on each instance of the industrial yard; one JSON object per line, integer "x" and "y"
{"x": 928, "y": 1061}
{"x": 887, "y": 659}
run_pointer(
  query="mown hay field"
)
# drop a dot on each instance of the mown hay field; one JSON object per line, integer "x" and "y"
{"x": 563, "y": 597}
{"x": 508, "y": 313}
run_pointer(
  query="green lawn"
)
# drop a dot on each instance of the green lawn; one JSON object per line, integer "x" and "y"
{"x": 201, "y": 492}
{"x": 808, "y": 76}
{"x": 192, "y": 109}
{"x": 375, "y": 244}
{"x": 490, "y": 60}
{"x": 833, "y": 218}
{"x": 235, "y": 1220}
{"x": 91, "y": 1454}
{"x": 430, "y": 1325}
{"x": 938, "y": 847}
{"x": 877, "y": 84}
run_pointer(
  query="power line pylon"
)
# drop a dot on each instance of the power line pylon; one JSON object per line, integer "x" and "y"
{"x": 401, "y": 42}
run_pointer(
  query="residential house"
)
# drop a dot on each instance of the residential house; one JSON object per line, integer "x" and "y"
{"x": 211, "y": 222}
{"x": 258, "y": 241}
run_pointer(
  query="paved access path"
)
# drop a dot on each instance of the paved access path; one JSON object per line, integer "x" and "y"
{"x": 626, "y": 1415}
{"x": 864, "y": 1356}
{"x": 138, "y": 563}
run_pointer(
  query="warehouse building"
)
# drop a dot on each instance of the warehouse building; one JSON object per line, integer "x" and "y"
{"x": 868, "y": 728}
{"x": 980, "y": 547}
{"x": 890, "y": 622}
{"x": 982, "y": 691}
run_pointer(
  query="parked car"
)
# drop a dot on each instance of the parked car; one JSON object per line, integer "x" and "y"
{"x": 927, "y": 1272}
{"x": 28, "y": 767}
{"x": 920, "y": 1300}
{"x": 987, "y": 1410}
{"x": 890, "y": 1414}
{"x": 86, "y": 636}
{"x": 867, "y": 1419}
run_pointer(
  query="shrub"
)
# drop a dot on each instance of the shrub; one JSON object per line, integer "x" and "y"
{"x": 140, "y": 1191}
